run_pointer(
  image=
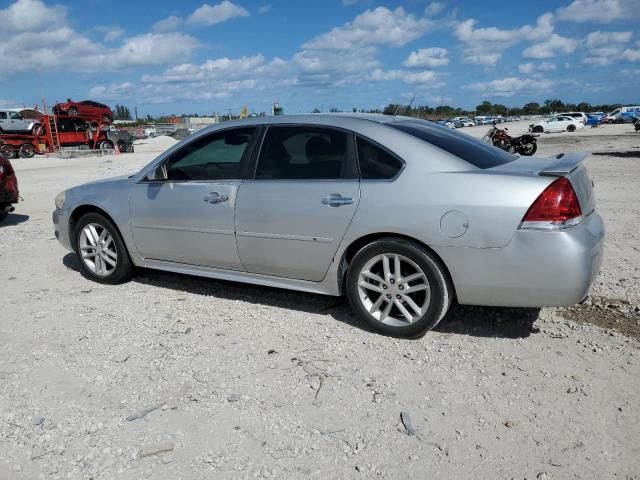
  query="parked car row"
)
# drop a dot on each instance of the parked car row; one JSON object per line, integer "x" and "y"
{"x": 459, "y": 122}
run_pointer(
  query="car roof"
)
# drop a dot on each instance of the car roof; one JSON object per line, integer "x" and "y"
{"x": 321, "y": 119}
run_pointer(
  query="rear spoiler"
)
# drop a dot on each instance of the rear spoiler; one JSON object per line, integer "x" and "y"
{"x": 565, "y": 164}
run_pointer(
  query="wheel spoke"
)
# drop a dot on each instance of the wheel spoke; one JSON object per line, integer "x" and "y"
{"x": 111, "y": 253}
{"x": 414, "y": 276}
{"x": 94, "y": 234}
{"x": 396, "y": 267}
{"x": 87, "y": 248}
{"x": 372, "y": 276}
{"x": 412, "y": 304}
{"x": 404, "y": 311}
{"x": 385, "y": 313}
{"x": 88, "y": 254}
{"x": 376, "y": 304}
{"x": 89, "y": 235}
{"x": 106, "y": 259}
{"x": 415, "y": 288}
{"x": 370, "y": 286}
{"x": 103, "y": 235}
{"x": 385, "y": 267}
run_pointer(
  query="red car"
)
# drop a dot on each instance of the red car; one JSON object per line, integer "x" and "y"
{"x": 8, "y": 188}
{"x": 86, "y": 109}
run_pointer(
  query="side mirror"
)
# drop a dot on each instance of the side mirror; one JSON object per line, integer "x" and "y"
{"x": 158, "y": 174}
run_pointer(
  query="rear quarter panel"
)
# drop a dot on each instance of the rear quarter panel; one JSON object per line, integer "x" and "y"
{"x": 434, "y": 183}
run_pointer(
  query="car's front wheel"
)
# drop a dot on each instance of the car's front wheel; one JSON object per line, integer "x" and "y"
{"x": 102, "y": 252}
{"x": 398, "y": 287}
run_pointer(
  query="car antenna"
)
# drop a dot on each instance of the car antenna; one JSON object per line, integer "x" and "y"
{"x": 409, "y": 106}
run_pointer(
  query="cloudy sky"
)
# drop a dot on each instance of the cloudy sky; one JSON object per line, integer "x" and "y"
{"x": 170, "y": 56}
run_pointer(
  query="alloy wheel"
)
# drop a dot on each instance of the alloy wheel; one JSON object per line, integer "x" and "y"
{"x": 394, "y": 290}
{"x": 98, "y": 250}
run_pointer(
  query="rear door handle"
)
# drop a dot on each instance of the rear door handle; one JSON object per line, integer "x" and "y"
{"x": 336, "y": 200}
{"x": 215, "y": 197}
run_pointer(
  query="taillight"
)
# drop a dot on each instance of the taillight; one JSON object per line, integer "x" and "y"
{"x": 556, "y": 208}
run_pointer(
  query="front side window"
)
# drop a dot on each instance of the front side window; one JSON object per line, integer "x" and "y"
{"x": 214, "y": 157}
{"x": 376, "y": 163}
{"x": 306, "y": 153}
{"x": 15, "y": 116}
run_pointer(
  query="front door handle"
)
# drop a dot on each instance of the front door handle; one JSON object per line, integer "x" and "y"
{"x": 336, "y": 200}
{"x": 215, "y": 197}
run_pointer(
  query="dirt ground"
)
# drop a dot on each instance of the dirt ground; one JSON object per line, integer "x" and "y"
{"x": 170, "y": 377}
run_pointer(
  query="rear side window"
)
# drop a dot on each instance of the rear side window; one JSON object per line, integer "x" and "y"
{"x": 469, "y": 149}
{"x": 306, "y": 153}
{"x": 376, "y": 163}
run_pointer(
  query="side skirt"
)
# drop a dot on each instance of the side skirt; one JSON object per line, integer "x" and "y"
{"x": 322, "y": 288}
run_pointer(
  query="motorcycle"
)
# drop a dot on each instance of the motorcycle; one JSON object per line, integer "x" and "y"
{"x": 525, "y": 145}
{"x": 636, "y": 125}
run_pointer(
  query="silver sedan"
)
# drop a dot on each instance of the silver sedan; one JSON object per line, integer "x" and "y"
{"x": 401, "y": 215}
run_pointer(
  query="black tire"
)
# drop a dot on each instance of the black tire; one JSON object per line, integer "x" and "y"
{"x": 27, "y": 150}
{"x": 538, "y": 129}
{"x": 528, "y": 149}
{"x": 73, "y": 112}
{"x": 571, "y": 128}
{"x": 105, "y": 145}
{"x": 8, "y": 151}
{"x": 123, "y": 270}
{"x": 439, "y": 287}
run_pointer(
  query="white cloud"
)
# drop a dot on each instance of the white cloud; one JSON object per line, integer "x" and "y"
{"x": 30, "y": 16}
{"x": 605, "y": 48}
{"x": 428, "y": 57}
{"x": 407, "y": 76}
{"x": 549, "y": 48}
{"x": 599, "y": 11}
{"x": 434, "y": 8}
{"x": 484, "y": 46}
{"x": 208, "y": 15}
{"x": 598, "y": 38}
{"x": 169, "y": 24}
{"x": 205, "y": 15}
{"x": 380, "y": 26}
{"x": 510, "y": 86}
{"x": 632, "y": 55}
{"x": 529, "y": 68}
{"x": 113, "y": 33}
{"x": 264, "y": 9}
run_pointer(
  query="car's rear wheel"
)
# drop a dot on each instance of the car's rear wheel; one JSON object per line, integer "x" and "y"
{"x": 102, "y": 252}
{"x": 571, "y": 128}
{"x": 398, "y": 287}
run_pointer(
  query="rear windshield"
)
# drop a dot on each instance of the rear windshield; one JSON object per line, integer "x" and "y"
{"x": 469, "y": 149}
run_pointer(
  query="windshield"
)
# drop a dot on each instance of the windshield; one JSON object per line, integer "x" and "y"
{"x": 469, "y": 149}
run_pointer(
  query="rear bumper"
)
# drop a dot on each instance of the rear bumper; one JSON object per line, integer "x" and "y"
{"x": 536, "y": 269}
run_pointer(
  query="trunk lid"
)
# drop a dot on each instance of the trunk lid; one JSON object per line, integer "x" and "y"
{"x": 568, "y": 165}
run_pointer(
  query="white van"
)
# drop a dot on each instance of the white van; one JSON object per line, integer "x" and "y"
{"x": 619, "y": 113}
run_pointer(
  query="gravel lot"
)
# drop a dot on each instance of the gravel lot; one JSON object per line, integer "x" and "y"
{"x": 170, "y": 377}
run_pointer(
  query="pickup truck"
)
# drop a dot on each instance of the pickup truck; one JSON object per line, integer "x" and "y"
{"x": 12, "y": 122}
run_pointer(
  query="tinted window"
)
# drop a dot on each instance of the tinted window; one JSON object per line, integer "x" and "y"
{"x": 3, "y": 115}
{"x": 305, "y": 153}
{"x": 15, "y": 116}
{"x": 376, "y": 163}
{"x": 469, "y": 149}
{"x": 214, "y": 157}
